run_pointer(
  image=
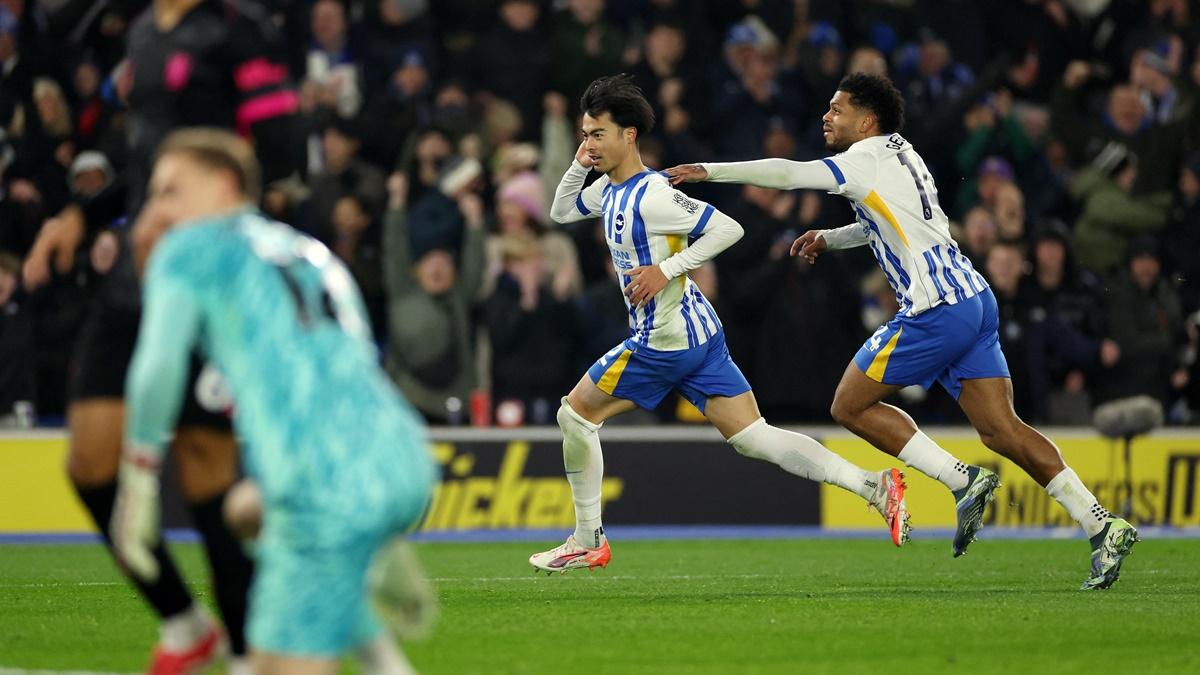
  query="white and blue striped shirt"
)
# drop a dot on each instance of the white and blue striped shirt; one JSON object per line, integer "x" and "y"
{"x": 648, "y": 222}
{"x": 896, "y": 205}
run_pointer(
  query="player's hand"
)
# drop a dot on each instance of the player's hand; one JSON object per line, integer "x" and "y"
{"x": 104, "y": 252}
{"x": 809, "y": 245}
{"x": 135, "y": 522}
{"x": 687, "y": 173}
{"x": 56, "y": 243}
{"x": 581, "y": 156}
{"x": 644, "y": 283}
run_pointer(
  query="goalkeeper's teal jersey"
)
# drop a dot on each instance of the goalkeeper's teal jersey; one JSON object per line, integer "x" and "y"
{"x": 281, "y": 318}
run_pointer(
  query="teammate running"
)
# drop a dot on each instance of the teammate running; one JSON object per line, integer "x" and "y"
{"x": 190, "y": 62}
{"x": 340, "y": 460}
{"x": 946, "y": 329}
{"x": 676, "y": 340}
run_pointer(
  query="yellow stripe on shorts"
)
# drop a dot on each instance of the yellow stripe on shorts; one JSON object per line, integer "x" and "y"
{"x": 611, "y": 376}
{"x": 879, "y": 363}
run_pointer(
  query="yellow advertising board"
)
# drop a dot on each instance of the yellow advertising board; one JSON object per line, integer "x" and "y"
{"x": 1162, "y": 489}
{"x": 35, "y": 495}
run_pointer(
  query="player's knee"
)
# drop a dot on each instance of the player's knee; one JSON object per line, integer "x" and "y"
{"x": 573, "y": 424}
{"x": 841, "y": 412}
{"x": 747, "y": 441}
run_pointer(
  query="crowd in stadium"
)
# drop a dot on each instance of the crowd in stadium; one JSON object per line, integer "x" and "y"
{"x": 1064, "y": 138}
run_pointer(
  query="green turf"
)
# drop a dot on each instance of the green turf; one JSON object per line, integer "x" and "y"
{"x": 701, "y": 607}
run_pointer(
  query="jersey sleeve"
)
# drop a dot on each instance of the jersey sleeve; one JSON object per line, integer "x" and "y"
{"x": 666, "y": 210}
{"x": 854, "y": 171}
{"x": 171, "y": 318}
{"x": 574, "y": 202}
{"x": 267, "y": 103}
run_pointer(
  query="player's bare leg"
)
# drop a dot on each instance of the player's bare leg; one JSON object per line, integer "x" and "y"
{"x": 988, "y": 404}
{"x": 189, "y": 637}
{"x": 741, "y": 423}
{"x": 858, "y": 406}
{"x": 580, "y": 416}
{"x": 243, "y": 509}
{"x": 280, "y": 664}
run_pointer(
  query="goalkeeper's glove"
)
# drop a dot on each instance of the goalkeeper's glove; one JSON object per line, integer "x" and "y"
{"x": 135, "y": 522}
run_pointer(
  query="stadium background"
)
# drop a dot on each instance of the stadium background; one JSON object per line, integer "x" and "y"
{"x": 1063, "y": 136}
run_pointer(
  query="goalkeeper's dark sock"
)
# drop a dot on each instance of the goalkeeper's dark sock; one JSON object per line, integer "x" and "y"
{"x": 167, "y": 595}
{"x": 231, "y": 568}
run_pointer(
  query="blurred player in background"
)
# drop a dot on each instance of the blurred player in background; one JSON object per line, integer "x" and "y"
{"x": 281, "y": 317}
{"x": 190, "y": 62}
{"x": 676, "y": 340}
{"x": 946, "y": 329}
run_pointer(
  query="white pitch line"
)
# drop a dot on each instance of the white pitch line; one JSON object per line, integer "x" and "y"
{"x": 4, "y": 670}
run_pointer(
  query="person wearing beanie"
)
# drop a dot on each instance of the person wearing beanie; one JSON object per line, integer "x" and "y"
{"x": 521, "y": 214}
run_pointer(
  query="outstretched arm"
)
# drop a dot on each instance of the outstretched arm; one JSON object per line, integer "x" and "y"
{"x": 781, "y": 174}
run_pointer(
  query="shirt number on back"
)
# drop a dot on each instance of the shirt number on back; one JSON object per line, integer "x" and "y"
{"x": 926, "y": 208}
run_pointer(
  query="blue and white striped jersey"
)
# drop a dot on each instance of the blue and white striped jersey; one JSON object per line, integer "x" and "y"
{"x": 896, "y": 203}
{"x": 646, "y": 222}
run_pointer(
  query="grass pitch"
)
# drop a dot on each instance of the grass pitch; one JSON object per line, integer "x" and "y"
{"x": 719, "y": 607}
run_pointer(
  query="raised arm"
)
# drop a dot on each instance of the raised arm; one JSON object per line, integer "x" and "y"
{"x": 571, "y": 200}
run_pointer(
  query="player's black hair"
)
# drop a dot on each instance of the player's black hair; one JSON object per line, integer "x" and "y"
{"x": 877, "y": 94}
{"x": 618, "y": 96}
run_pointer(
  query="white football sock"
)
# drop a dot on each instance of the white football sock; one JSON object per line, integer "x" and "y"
{"x": 584, "y": 464}
{"x": 181, "y": 631}
{"x": 922, "y": 454}
{"x": 801, "y": 455}
{"x": 1069, "y": 491}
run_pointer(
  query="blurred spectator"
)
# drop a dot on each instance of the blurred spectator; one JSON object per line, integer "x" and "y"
{"x": 1153, "y": 74}
{"x": 21, "y": 212}
{"x": 1009, "y": 213}
{"x": 585, "y": 46}
{"x": 1005, "y": 269}
{"x": 1112, "y": 215}
{"x": 867, "y": 60}
{"x": 513, "y": 60}
{"x": 979, "y": 235}
{"x": 332, "y": 76}
{"x": 396, "y": 30}
{"x": 752, "y": 272}
{"x": 1183, "y": 237}
{"x": 16, "y": 340}
{"x": 1125, "y": 120}
{"x": 345, "y": 173}
{"x": 430, "y": 351}
{"x": 935, "y": 88}
{"x": 1147, "y": 325}
{"x": 396, "y": 109}
{"x": 604, "y": 319}
{"x": 985, "y": 188}
{"x": 1065, "y": 310}
{"x": 91, "y": 114}
{"x": 521, "y": 215}
{"x": 743, "y": 107}
{"x": 358, "y": 240}
{"x": 530, "y": 322}
{"x": 994, "y": 135}
{"x": 435, "y": 220}
{"x": 668, "y": 79}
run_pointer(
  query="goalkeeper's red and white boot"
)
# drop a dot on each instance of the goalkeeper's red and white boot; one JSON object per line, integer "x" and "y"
{"x": 572, "y": 556}
{"x": 888, "y": 500}
{"x": 177, "y": 655}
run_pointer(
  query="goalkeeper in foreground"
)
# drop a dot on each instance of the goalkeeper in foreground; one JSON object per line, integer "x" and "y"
{"x": 339, "y": 458}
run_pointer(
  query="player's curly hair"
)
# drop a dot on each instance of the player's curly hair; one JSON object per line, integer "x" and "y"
{"x": 877, "y": 94}
{"x": 618, "y": 96}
